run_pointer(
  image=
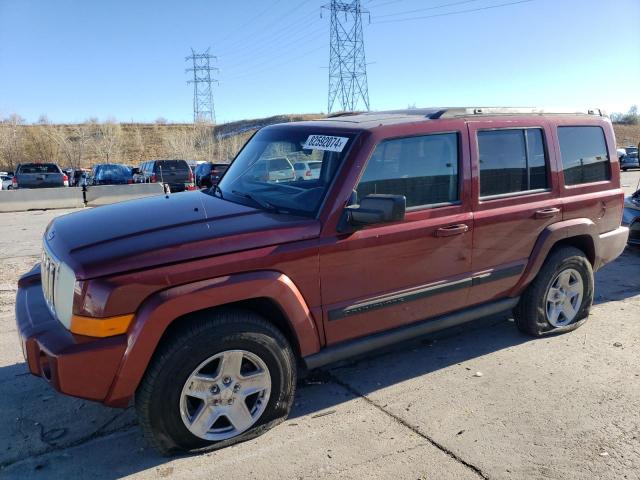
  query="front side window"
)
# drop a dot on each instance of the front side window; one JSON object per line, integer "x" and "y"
{"x": 423, "y": 169}
{"x": 512, "y": 161}
{"x": 584, "y": 155}
{"x": 263, "y": 174}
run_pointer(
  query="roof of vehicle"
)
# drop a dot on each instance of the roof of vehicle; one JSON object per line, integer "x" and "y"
{"x": 367, "y": 120}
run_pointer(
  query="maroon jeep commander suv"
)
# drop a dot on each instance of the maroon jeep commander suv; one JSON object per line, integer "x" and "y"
{"x": 201, "y": 306}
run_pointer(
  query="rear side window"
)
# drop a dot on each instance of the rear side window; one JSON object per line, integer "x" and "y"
{"x": 512, "y": 161}
{"x": 423, "y": 169}
{"x": 584, "y": 155}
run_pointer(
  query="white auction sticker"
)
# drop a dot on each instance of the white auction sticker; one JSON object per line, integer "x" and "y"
{"x": 325, "y": 142}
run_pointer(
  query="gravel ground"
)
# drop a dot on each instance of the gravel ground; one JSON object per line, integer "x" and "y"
{"x": 559, "y": 407}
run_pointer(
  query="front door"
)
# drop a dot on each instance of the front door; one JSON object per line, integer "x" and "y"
{"x": 385, "y": 276}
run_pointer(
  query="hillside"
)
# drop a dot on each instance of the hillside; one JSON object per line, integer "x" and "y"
{"x": 83, "y": 145}
{"x": 627, "y": 134}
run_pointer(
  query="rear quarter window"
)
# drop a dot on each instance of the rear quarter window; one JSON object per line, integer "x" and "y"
{"x": 585, "y": 158}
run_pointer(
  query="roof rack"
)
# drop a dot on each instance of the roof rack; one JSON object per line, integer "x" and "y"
{"x": 347, "y": 113}
{"x": 473, "y": 111}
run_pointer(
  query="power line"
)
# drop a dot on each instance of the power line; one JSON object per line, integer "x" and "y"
{"x": 459, "y": 12}
{"x": 435, "y": 7}
{"x": 288, "y": 35}
{"x": 347, "y": 64}
{"x": 273, "y": 66}
{"x": 267, "y": 29}
{"x": 296, "y": 44}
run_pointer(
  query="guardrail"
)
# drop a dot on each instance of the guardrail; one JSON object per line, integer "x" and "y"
{"x": 72, "y": 197}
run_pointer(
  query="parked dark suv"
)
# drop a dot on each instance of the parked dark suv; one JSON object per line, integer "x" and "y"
{"x": 202, "y": 307}
{"x": 176, "y": 174}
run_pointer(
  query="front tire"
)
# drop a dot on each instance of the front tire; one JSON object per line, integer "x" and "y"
{"x": 216, "y": 382}
{"x": 560, "y": 297}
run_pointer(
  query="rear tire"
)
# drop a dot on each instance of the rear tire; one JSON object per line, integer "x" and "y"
{"x": 560, "y": 297}
{"x": 188, "y": 380}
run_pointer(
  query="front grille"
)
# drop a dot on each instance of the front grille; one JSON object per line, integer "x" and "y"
{"x": 49, "y": 270}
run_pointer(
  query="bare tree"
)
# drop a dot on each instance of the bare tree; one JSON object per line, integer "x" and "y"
{"x": 12, "y": 141}
{"x": 73, "y": 142}
{"x": 137, "y": 144}
{"x": 180, "y": 143}
{"x": 40, "y": 145}
{"x": 107, "y": 140}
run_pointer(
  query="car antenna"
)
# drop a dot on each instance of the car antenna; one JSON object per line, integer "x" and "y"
{"x": 167, "y": 191}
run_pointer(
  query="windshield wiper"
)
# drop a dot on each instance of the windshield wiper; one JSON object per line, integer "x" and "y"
{"x": 257, "y": 201}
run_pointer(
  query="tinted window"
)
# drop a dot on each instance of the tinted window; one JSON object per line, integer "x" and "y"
{"x": 39, "y": 168}
{"x": 171, "y": 165}
{"x": 511, "y": 161}
{"x": 584, "y": 155}
{"x": 423, "y": 169}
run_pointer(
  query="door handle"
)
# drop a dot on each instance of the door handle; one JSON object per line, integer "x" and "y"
{"x": 547, "y": 212}
{"x": 452, "y": 230}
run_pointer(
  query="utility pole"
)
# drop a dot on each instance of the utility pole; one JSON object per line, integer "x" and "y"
{"x": 347, "y": 64}
{"x": 203, "y": 109}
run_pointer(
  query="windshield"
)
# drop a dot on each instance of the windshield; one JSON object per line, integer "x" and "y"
{"x": 263, "y": 174}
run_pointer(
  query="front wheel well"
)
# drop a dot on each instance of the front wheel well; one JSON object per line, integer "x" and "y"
{"x": 264, "y": 306}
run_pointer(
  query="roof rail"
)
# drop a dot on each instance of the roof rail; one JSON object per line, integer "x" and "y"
{"x": 347, "y": 113}
{"x": 476, "y": 111}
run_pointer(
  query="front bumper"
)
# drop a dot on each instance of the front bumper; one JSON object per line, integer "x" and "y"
{"x": 76, "y": 365}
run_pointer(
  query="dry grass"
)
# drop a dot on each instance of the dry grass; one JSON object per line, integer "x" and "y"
{"x": 627, "y": 134}
{"x": 133, "y": 143}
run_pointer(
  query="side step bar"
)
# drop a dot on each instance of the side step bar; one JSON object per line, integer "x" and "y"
{"x": 351, "y": 348}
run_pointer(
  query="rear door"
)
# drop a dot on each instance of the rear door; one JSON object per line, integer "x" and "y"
{"x": 388, "y": 275}
{"x": 515, "y": 198}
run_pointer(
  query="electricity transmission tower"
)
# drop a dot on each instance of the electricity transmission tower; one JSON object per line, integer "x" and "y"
{"x": 203, "y": 110}
{"x": 347, "y": 64}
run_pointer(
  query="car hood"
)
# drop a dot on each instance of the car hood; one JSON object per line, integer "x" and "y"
{"x": 166, "y": 229}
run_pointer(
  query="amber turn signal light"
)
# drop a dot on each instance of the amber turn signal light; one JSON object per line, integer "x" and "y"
{"x": 100, "y": 327}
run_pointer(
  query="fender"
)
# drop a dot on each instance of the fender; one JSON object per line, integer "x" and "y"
{"x": 547, "y": 239}
{"x": 161, "y": 309}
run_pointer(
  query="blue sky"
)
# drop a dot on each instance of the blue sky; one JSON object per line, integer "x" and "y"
{"x": 75, "y": 59}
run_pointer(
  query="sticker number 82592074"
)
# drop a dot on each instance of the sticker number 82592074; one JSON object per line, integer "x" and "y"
{"x": 325, "y": 142}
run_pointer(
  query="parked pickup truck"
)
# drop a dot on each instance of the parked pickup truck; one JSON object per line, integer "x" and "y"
{"x": 202, "y": 307}
{"x": 39, "y": 175}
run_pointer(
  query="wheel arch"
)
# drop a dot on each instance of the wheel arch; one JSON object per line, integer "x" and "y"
{"x": 580, "y": 233}
{"x": 267, "y": 292}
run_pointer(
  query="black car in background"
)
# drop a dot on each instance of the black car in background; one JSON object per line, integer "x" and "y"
{"x": 209, "y": 174}
{"x": 175, "y": 173}
{"x": 111, "y": 174}
{"x": 39, "y": 175}
{"x": 631, "y": 217}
